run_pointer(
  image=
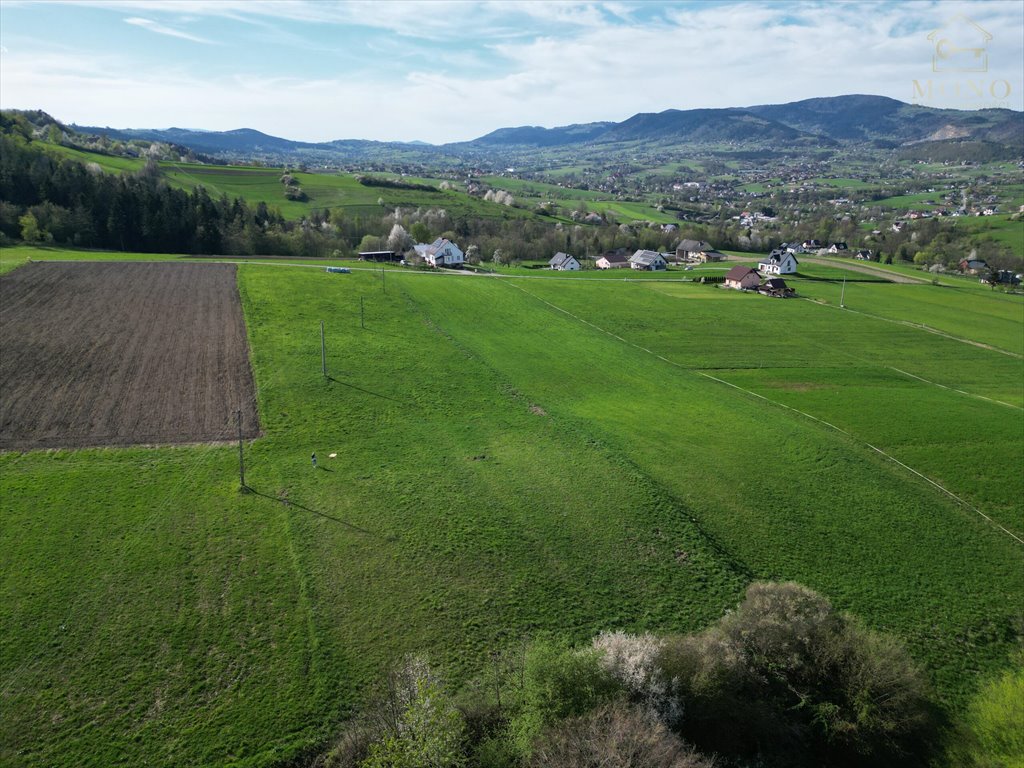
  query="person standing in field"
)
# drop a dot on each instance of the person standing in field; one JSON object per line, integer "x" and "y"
{"x": 314, "y": 460}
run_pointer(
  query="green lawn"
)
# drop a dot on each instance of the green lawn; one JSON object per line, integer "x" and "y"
{"x": 504, "y": 469}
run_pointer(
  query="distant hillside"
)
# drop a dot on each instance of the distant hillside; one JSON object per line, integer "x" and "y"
{"x": 821, "y": 122}
{"x": 533, "y": 135}
{"x": 877, "y": 118}
{"x": 705, "y": 126}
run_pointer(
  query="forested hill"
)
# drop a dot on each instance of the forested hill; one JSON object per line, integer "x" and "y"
{"x": 822, "y": 122}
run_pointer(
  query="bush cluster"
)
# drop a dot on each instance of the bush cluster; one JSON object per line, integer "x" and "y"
{"x": 782, "y": 680}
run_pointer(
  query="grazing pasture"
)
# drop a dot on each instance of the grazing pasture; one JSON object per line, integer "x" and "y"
{"x": 120, "y": 354}
{"x": 515, "y": 457}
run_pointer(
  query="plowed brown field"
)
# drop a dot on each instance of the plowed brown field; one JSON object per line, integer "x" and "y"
{"x": 122, "y": 353}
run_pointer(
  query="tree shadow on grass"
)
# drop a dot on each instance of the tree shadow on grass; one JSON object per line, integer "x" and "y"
{"x": 317, "y": 513}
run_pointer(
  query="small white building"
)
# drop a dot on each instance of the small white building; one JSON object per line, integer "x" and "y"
{"x": 440, "y": 253}
{"x": 564, "y": 262}
{"x": 613, "y": 260}
{"x": 778, "y": 263}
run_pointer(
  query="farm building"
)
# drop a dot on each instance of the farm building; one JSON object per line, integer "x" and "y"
{"x": 776, "y": 287}
{"x": 742, "y": 278}
{"x": 837, "y": 248}
{"x": 690, "y": 249}
{"x": 862, "y": 255}
{"x": 647, "y": 260}
{"x": 779, "y": 263}
{"x": 711, "y": 256}
{"x": 440, "y": 253}
{"x": 613, "y": 260}
{"x": 563, "y": 262}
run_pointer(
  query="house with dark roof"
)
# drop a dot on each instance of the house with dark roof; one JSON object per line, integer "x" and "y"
{"x": 972, "y": 266}
{"x": 690, "y": 249}
{"x": 563, "y": 262}
{"x": 778, "y": 262}
{"x": 862, "y": 255}
{"x": 617, "y": 259}
{"x": 775, "y": 287}
{"x": 742, "y": 278}
{"x": 837, "y": 248}
{"x": 650, "y": 261}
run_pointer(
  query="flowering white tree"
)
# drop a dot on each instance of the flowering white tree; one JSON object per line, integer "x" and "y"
{"x": 399, "y": 240}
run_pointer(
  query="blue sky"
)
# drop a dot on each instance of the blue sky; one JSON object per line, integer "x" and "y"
{"x": 448, "y": 71}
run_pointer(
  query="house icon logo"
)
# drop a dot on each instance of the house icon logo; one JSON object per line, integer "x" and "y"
{"x": 960, "y": 47}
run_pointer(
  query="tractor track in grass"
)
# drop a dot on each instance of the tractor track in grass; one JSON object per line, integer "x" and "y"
{"x": 962, "y": 502}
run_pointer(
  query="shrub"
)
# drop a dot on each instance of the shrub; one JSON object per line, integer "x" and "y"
{"x": 992, "y": 733}
{"x": 412, "y": 724}
{"x": 558, "y": 683}
{"x": 632, "y": 660}
{"x": 788, "y": 678}
{"x": 614, "y": 736}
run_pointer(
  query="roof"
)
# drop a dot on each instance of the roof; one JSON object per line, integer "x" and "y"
{"x": 559, "y": 259}
{"x": 646, "y": 258}
{"x": 429, "y": 250}
{"x": 775, "y": 283}
{"x": 739, "y": 272}
{"x": 693, "y": 245}
{"x": 615, "y": 257}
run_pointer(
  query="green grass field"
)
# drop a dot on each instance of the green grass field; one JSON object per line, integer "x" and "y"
{"x": 514, "y": 457}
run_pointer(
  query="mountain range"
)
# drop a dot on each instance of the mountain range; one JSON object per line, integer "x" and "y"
{"x": 820, "y": 122}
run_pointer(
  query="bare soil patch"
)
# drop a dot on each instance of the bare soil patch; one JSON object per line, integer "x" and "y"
{"x": 95, "y": 354}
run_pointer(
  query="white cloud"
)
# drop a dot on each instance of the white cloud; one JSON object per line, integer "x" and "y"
{"x": 161, "y": 29}
{"x": 695, "y": 56}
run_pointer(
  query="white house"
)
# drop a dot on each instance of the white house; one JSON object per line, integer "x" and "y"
{"x": 647, "y": 260}
{"x": 613, "y": 260}
{"x": 779, "y": 263}
{"x": 563, "y": 262}
{"x": 440, "y": 253}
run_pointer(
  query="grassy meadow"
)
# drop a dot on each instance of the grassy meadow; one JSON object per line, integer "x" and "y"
{"x": 514, "y": 458}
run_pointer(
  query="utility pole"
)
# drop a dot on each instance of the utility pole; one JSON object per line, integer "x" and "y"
{"x": 842, "y": 296}
{"x": 241, "y": 456}
{"x": 323, "y": 350}
{"x": 362, "y": 314}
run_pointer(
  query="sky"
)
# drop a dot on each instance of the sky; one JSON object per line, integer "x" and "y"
{"x": 447, "y": 70}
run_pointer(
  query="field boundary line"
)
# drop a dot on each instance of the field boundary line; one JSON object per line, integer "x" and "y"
{"x": 842, "y": 431}
{"x": 951, "y": 389}
{"x": 921, "y": 327}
